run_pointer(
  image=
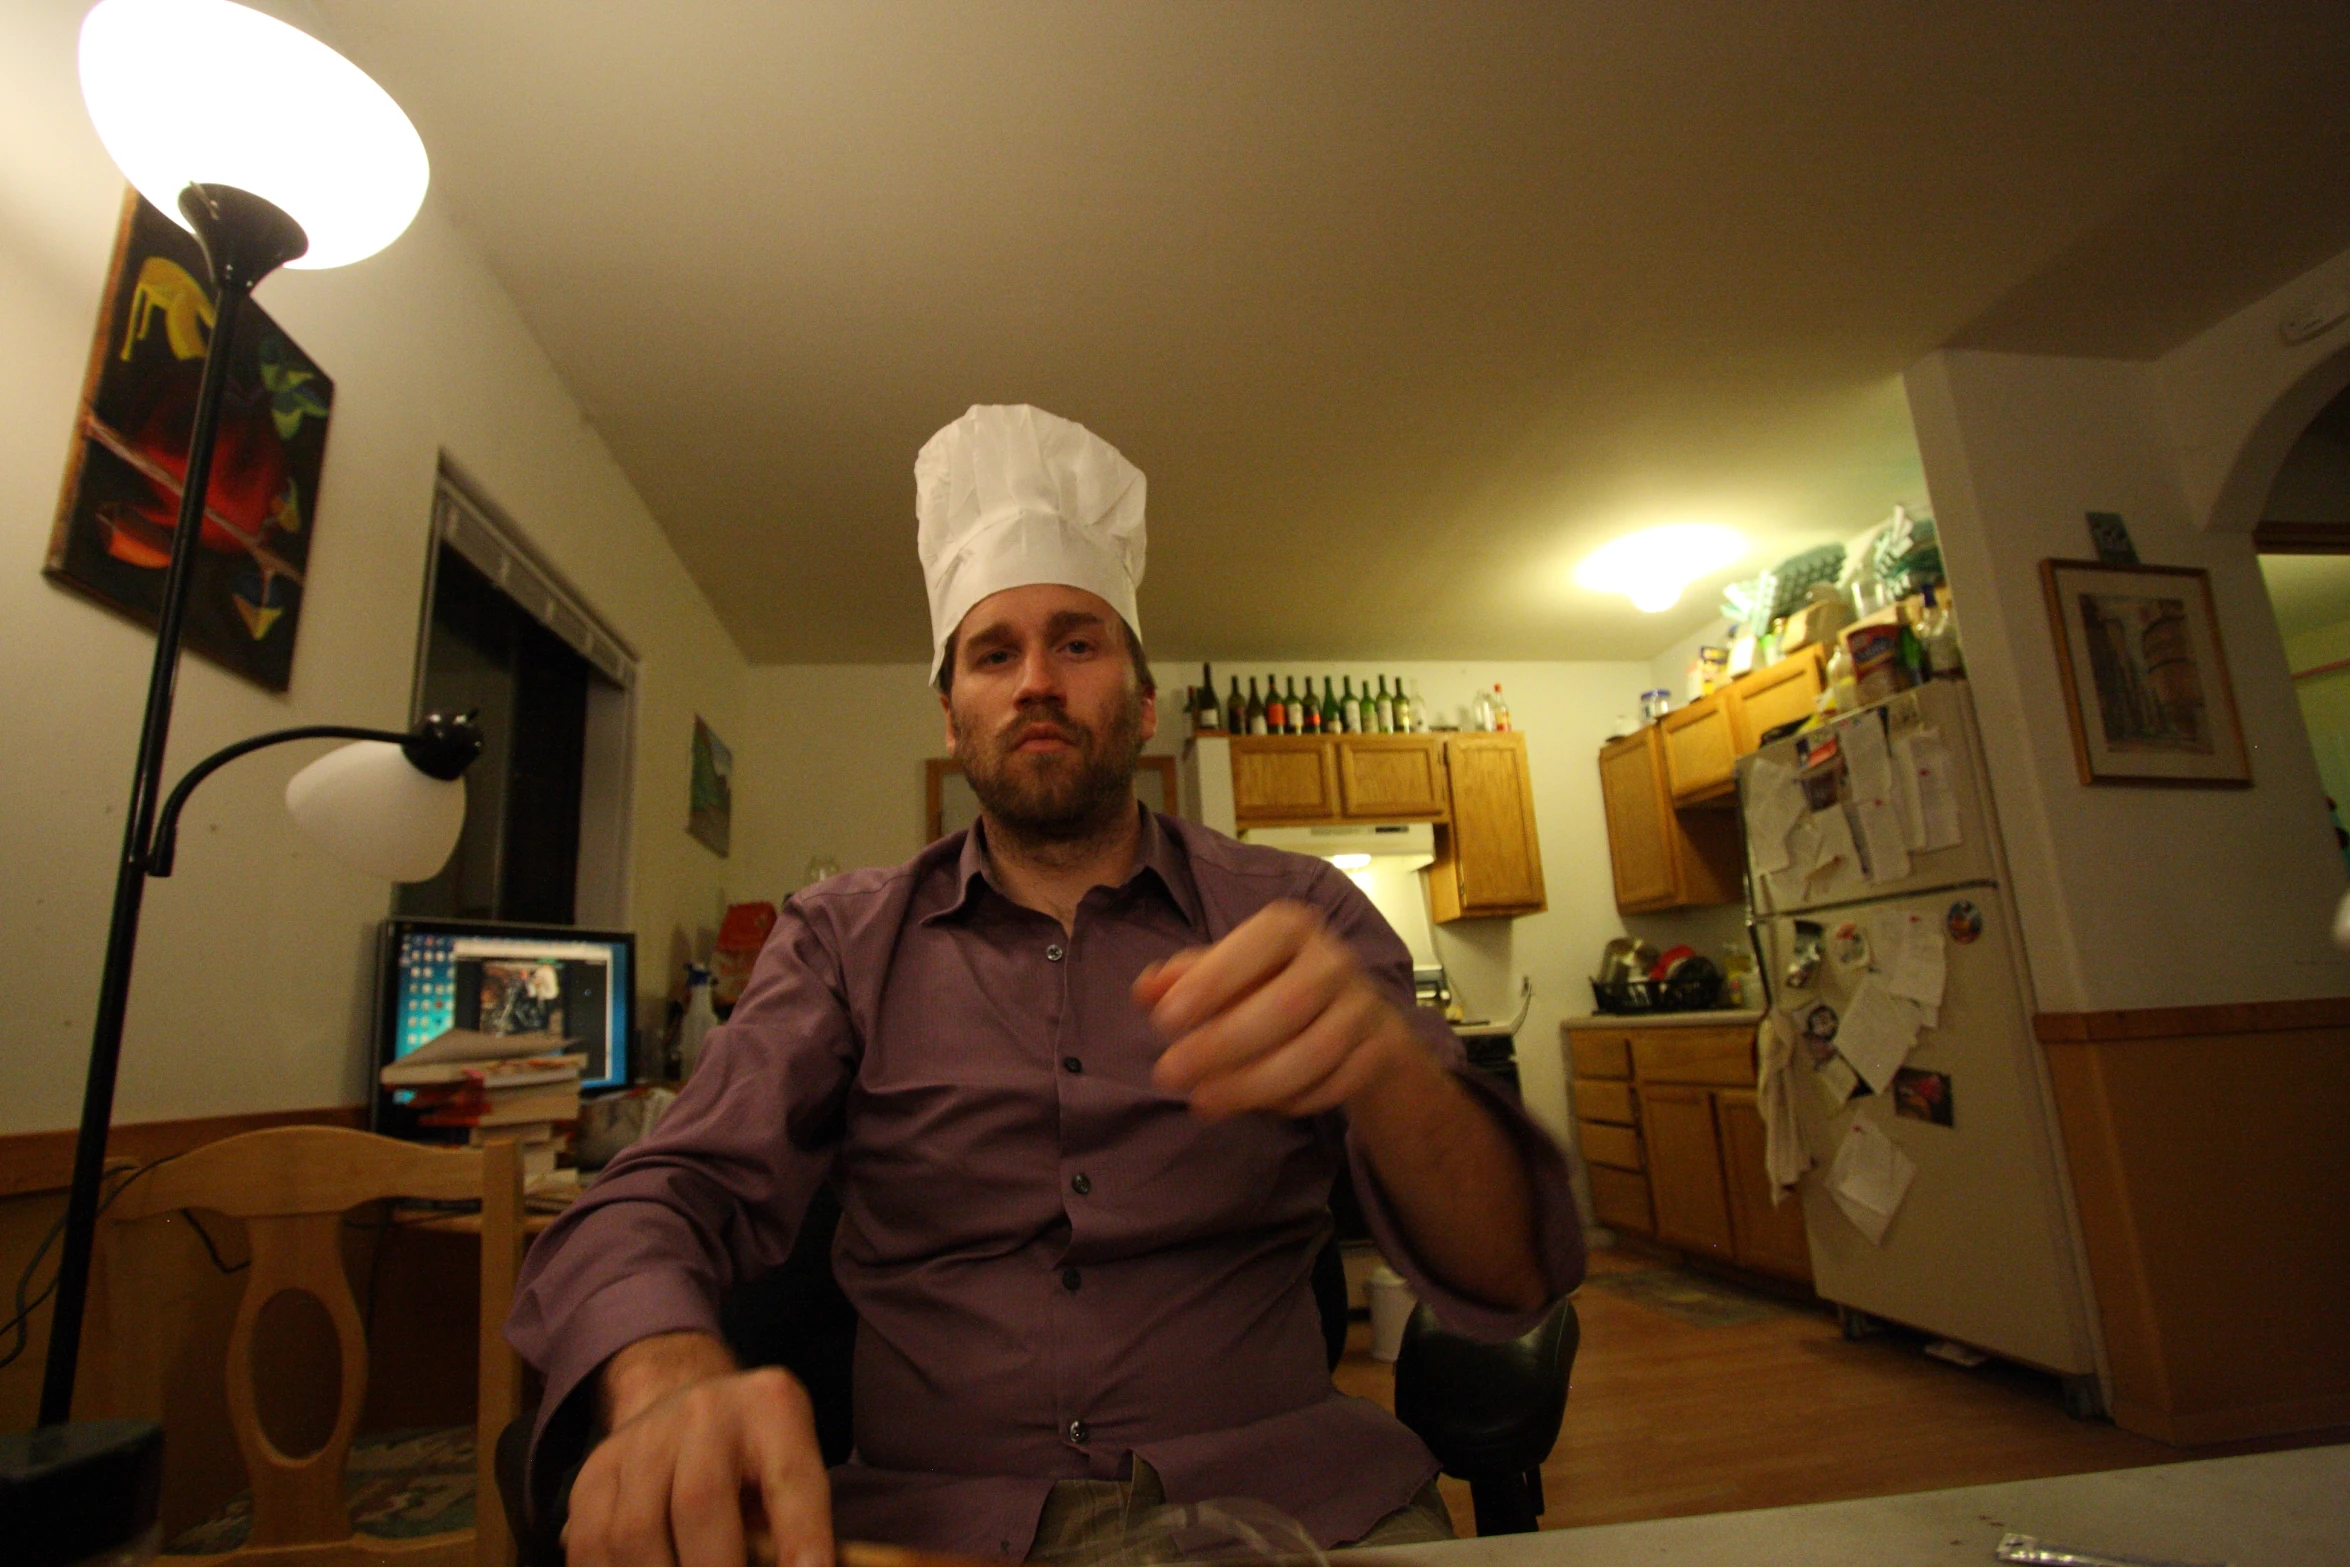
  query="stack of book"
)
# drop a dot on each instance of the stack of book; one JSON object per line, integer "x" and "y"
{"x": 524, "y": 1087}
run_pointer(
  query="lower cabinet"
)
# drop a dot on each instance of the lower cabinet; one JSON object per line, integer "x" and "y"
{"x": 1685, "y": 1170}
{"x": 1763, "y": 1235}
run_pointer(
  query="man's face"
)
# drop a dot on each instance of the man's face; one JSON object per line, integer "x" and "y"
{"x": 1047, "y": 713}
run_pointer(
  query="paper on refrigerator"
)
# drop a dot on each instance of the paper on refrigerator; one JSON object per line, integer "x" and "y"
{"x": 1869, "y": 1178}
{"x": 1922, "y": 768}
{"x": 1876, "y": 808}
{"x": 1876, "y": 1032}
{"x": 1909, "y": 946}
{"x": 1774, "y": 804}
{"x": 1835, "y": 859}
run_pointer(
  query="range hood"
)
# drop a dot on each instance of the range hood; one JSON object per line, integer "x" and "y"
{"x": 1413, "y": 844}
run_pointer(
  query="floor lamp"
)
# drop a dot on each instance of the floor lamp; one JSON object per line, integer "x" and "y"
{"x": 275, "y": 151}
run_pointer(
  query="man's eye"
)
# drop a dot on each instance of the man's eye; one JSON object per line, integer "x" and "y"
{"x": 1078, "y": 646}
{"x": 994, "y": 656}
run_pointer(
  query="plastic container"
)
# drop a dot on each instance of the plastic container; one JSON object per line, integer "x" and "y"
{"x": 1391, "y": 1301}
{"x": 700, "y": 1017}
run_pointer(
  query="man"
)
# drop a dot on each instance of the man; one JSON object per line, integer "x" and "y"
{"x": 1081, "y": 1079}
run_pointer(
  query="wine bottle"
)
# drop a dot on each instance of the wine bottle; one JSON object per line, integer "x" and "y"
{"x": 1292, "y": 720}
{"x": 1419, "y": 710}
{"x": 1348, "y": 714}
{"x": 1331, "y": 723}
{"x": 1311, "y": 708}
{"x": 1258, "y": 722}
{"x": 1366, "y": 720}
{"x": 1386, "y": 709}
{"x": 1403, "y": 709}
{"x": 1236, "y": 711}
{"x": 1208, "y": 715}
{"x": 1276, "y": 716}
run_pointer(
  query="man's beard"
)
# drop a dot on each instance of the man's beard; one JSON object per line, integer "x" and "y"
{"x": 1054, "y": 797}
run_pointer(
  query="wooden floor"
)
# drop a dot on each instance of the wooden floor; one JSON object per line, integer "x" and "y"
{"x": 1665, "y": 1418}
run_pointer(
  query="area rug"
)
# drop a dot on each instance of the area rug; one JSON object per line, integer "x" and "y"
{"x": 401, "y": 1485}
{"x": 1687, "y": 1297}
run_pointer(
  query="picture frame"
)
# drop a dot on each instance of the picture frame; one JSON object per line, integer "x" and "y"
{"x": 118, "y": 506}
{"x": 710, "y": 807}
{"x": 2145, "y": 677}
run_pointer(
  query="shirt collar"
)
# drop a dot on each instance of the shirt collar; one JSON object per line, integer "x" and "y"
{"x": 1159, "y": 855}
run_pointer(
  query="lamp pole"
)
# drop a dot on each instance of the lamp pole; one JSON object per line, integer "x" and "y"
{"x": 245, "y": 238}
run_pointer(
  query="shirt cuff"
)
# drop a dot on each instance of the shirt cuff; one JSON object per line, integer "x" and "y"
{"x": 1558, "y": 1228}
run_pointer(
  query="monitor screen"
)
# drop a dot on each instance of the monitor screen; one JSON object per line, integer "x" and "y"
{"x": 575, "y": 985}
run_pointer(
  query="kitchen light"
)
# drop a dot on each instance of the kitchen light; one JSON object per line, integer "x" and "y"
{"x": 1651, "y": 567}
{"x": 205, "y": 92}
{"x": 1351, "y": 862}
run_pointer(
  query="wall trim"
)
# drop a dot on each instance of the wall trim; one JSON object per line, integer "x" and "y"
{"x": 2240, "y": 1017}
{"x": 43, "y": 1161}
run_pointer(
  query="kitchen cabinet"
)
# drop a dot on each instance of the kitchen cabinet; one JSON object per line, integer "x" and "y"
{"x": 1673, "y": 1145}
{"x": 1685, "y": 1169}
{"x": 1489, "y": 864}
{"x": 1283, "y": 778}
{"x": 1701, "y": 749}
{"x": 1391, "y": 778}
{"x": 1762, "y": 1236}
{"x": 1765, "y": 699}
{"x": 1663, "y": 858}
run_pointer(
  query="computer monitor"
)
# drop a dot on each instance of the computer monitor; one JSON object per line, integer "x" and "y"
{"x": 437, "y": 974}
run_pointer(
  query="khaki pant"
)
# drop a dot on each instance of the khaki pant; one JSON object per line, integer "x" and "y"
{"x": 1127, "y": 1523}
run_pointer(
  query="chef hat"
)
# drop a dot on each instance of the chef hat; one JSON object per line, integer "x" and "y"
{"x": 1007, "y": 497}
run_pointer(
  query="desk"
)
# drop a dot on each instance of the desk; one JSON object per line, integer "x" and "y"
{"x": 2287, "y": 1509}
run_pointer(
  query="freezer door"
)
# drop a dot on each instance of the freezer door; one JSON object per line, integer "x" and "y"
{"x": 1981, "y": 1249}
{"x": 1931, "y": 731}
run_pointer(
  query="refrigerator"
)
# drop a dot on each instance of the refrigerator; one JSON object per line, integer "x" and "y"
{"x": 1938, "y": 1195}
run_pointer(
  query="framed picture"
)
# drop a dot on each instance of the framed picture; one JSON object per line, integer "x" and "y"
{"x": 120, "y": 504}
{"x": 710, "y": 815}
{"x": 2145, "y": 682}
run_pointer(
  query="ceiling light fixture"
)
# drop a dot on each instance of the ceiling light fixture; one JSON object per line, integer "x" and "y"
{"x": 1651, "y": 567}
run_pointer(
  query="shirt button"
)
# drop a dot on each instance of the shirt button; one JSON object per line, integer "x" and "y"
{"x": 1054, "y": 953}
{"x": 1078, "y": 1433}
{"x": 1072, "y": 1064}
{"x": 1071, "y": 1278}
{"x": 1081, "y": 1183}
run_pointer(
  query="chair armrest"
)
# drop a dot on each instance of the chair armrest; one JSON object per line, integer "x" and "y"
{"x": 1486, "y": 1409}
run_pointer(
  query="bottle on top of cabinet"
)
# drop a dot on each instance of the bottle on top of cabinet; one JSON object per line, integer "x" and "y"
{"x": 1259, "y": 723}
{"x": 1207, "y": 714}
{"x": 1403, "y": 709}
{"x": 1500, "y": 709}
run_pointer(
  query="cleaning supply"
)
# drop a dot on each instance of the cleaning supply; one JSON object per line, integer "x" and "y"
{"x": 700, "y": 1017}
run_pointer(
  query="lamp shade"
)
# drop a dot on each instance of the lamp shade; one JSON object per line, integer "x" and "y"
{"x": 208, "y": 92}
{"x": 367, "y": 805}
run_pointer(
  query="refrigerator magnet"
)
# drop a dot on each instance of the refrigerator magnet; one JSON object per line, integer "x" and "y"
{"x": 1922, "y": 1096}
{"x": 1848, "y": 944}
{"x": 1819, "y": 1033}
{"x": 1964, "y": 921}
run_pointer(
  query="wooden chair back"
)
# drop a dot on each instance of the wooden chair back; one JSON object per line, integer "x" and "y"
{"x": 292, "y": 1186}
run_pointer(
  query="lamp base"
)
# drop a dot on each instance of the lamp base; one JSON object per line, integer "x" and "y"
{"x": 245, "y": 237}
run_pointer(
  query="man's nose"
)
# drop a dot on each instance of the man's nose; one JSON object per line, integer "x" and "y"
{"x": 1040, "y": 677}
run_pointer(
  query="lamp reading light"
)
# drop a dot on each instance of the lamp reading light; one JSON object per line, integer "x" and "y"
{"x": 1651, "y": 567}
{"x": 206, "y": 92}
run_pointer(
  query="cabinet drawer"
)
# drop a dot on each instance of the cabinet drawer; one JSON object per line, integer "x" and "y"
{"x": 1597, "y": 1099}
{"x": 1615, "y": 1146}
{"x": 1619, "y": 1200}
{"x": 1599, "y": 1054}
{"x": 1720, "y": 1056}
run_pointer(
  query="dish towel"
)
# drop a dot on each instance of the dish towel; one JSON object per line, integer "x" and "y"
{"x": 1774, "y": 1093}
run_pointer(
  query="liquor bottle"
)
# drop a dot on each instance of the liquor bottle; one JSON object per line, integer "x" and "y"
{"x": 1501, "y": 709}
{"x": 1207, "y": 717}
{"x": 1236, "y": 711}
{"x": 1386, "y": 709}
{"x": 1331, "y": 723}
{"x": 1311, "y": 709}
{"x": 1257, "y": 721}
{"x": 1403, "y": 709}
{"x": 1276, "y": 716}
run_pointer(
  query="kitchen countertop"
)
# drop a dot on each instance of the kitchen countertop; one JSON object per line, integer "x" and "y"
{"x": 1719, "y": 1018}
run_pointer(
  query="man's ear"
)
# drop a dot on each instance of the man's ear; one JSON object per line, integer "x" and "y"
{"x": 946, "y": 707}
{"x": 1150, "y": 713}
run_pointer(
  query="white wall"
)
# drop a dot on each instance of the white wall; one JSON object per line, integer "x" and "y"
{"x": 2135, "y": 897}
{"x": 254, "y": 977}
{"x": 830, "y": 759}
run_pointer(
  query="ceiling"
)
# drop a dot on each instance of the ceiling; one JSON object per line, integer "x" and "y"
{"x": 1402, "y": 307}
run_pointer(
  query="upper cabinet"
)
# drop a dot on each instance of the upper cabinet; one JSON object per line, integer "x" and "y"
{"x": 1701, "y": 750}
{"x": 1663, "y": 858}
{"x": 1475, "y": 788}
{"x": 1491, "y": 862}
{"x": 1391, "y": 778}
{"x": 1783, "y": 693}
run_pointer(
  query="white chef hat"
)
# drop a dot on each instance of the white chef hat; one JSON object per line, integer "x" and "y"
{"x": 1009, "y": 496}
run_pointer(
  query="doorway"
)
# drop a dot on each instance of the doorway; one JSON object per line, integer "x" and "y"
{"x": 2304, "y": 543}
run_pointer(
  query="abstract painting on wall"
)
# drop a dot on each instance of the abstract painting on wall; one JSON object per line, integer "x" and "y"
{"x": 710, "y": 816}
{"x": 2145, "y": 683}
{"x": 120, "y": 506}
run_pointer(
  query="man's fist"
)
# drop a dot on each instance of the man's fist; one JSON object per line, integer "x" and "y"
{"x": 701, "y": 1458}
{"x": 1277, "y": 1016}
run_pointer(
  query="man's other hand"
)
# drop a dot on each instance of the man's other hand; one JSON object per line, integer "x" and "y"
{"x": 1277, "y": 1016}
{"x": 701, "y": 1458}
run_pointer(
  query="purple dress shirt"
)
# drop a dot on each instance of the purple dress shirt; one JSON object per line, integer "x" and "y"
{"x": 1054, "y": 1265}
